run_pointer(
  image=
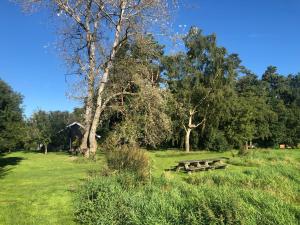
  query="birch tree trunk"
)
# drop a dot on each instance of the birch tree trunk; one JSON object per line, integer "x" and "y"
{"x": 187, "y": 139}
{"x": 46, "y": 149}
{"x": 190, "y": 127}
{"x": 89, "y": 103}
{"x": 99, "y": 107}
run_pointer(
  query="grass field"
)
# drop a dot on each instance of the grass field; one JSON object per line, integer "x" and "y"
{"x": 38, "y": 189}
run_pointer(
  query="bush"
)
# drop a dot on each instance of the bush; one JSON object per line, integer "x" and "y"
{"x": 130, "y": 159}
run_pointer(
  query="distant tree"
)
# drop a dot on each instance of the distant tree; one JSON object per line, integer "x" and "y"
{"x": 11, "y": 118}
{"x": 294, "y": 106}
{"x": 58, "y": 121}
{"x": 40, "y": 128}
{"x": 284, "y": 100}
{"x": 47, "y": 128}
{"x": 77, "y": 115}
{"x": 250, "y": 113}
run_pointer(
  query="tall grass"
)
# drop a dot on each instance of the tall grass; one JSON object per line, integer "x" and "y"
{"x": 263, "y": 190}
{"x": 111, "y": 200}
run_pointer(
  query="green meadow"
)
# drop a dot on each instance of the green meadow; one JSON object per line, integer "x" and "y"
{"x": 262, "y": 187}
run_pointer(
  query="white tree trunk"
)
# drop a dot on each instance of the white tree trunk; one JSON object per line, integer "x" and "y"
{"x": 187, "y": 139}
{"x": 84, "y": 147}
{"x": 190, "y": 127}
{"x": 99, "y": 108}
{"x": 188, "y": 131}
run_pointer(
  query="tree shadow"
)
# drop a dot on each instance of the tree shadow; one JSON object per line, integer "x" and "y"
{"x": 8, "y": 161}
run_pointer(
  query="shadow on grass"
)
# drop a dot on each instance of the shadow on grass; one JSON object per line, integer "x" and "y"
{"x": 8, "y": 161}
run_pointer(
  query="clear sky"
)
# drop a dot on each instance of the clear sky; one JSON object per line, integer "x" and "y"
{"x": 262, "y": 32}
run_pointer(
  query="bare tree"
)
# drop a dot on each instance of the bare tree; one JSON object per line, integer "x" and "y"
{"x": 92, "y": 32}
{"x": 130, "y": 19}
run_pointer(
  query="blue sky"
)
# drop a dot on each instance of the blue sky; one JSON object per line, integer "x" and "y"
{"x": 262, "y": 32}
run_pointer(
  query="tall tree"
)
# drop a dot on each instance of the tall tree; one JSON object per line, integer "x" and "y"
{"x": 11, "y": 118}
{"x": 251, "y": 112}
{"x": 197, "y": 77}
{"x": 94, "y": 32}
{"x": 283, "y": 98}
{"x": 139, "y": 117}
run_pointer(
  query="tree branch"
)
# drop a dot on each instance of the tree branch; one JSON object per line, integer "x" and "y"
{"x": 71, "y": 12}
{"x": 113, "y": 96}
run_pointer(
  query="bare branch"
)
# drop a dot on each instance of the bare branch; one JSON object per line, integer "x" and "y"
{"x": 63, "y": 5}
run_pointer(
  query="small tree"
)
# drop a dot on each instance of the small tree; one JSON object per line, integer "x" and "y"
{"x": 41, "y": 129}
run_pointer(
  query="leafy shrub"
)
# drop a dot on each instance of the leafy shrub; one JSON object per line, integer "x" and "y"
{"x": 129, "y": 159}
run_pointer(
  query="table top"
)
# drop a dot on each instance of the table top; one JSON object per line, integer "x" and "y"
{"x": 203, "y": 160}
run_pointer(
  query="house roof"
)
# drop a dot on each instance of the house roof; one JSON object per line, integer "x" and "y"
{"x": 75, "y": 123}
{"x": 71, "y": 125}
{"x": 78, "y": 124}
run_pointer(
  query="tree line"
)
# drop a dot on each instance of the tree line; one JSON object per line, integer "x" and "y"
{"x": 200, "y": 98}
{"x": 135, "y": 94}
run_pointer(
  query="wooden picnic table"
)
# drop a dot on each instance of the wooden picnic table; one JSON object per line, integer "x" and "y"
{"x": 200, "y": 165}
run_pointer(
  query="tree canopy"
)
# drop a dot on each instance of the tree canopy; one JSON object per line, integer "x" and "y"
{"x": 11, "y": 118}
{"x": 200, "y": 98}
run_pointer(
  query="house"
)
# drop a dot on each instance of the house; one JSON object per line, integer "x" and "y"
{"x": 74, "y": 132}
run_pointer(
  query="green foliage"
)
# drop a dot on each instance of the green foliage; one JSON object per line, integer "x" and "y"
{"x": 130, "y": 159}
{"x": 217, "y": 141}
{"x": 201, "y": 82}
{"x": 139, "y": 116}
{"x": 40, "y": 128}
{"x": 11, "y": 118}
{"x": 236, "y": 107}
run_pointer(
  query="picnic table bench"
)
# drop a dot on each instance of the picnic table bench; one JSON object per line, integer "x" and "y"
{"x": 200, "y": 165}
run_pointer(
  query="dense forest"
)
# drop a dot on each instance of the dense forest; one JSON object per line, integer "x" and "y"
{"x": 200, "y": 98}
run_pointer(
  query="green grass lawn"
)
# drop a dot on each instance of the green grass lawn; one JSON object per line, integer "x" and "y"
{"x": 39, "y": 189}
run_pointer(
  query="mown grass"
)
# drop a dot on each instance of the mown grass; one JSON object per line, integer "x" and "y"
{"x": 37, "y": 188}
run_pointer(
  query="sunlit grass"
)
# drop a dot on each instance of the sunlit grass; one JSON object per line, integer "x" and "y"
{"x": 38, "y": 188}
